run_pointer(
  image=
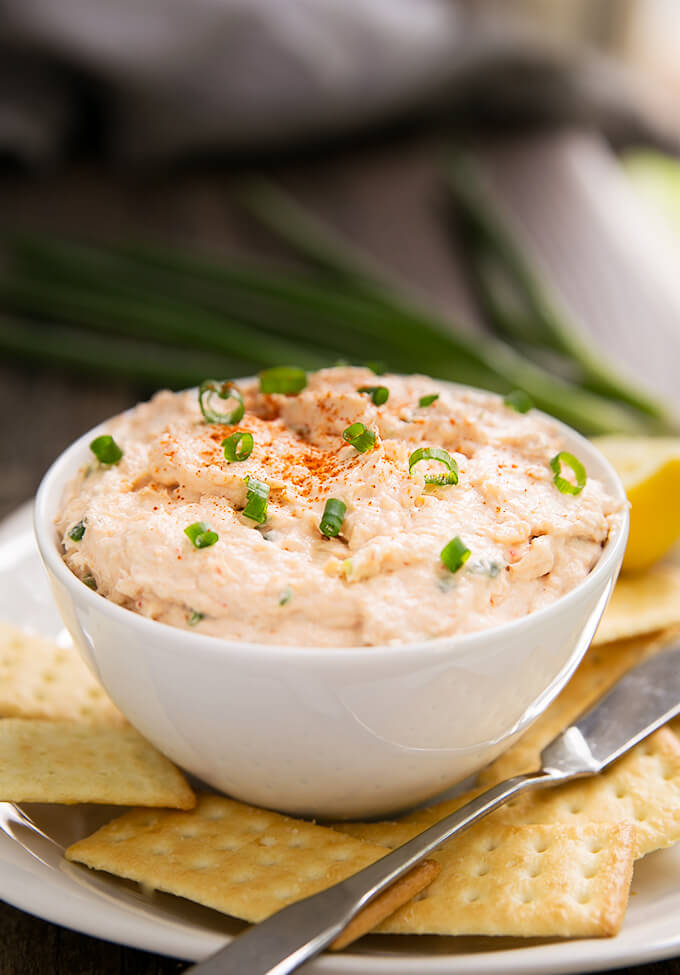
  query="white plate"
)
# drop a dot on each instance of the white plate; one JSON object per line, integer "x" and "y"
{"x": 35, "y": 878}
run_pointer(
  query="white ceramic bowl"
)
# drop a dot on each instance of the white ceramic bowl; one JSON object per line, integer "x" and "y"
{"x": 329, "y": 732}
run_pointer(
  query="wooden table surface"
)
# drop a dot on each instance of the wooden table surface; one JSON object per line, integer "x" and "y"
{"x": 382, "y": 196}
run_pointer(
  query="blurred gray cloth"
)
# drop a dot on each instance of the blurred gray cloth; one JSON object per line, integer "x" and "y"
{"x": 179, "y": 77}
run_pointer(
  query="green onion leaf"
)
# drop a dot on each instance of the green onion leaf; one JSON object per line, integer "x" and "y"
{"x": 455, "y": 554}
{"x": 561, "y": 483}
{"x": 285, "y": 596}
{"x": 106, "y": 450}
{"x": 232, "y": 444}
{"x": 359, "y": 437}
{"x": 194, "y": 617}
{"x": 256, "y": 500}
{"x": 379, "y": 394}
{"x": 440, "y": 455}
{"x": 428, "y": 400}
{"x": 518, "y": 400}
{"x": 283, "y": 379}
{"x": 201, "y": 535}
{"x": 333, "y": 517}
{"x": 90, "y": 582}
{"x": 77, "y": 531}
{"x": 226, "y": 390}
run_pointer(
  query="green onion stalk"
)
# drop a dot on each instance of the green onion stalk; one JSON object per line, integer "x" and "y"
{"x": 486, "y": 362}
{"x": 403, "y": 335}
{"x": 88, "y": 354}
{"x": 292, "y": 304}
{"x": 240, "y": 320}
{"x": 304, "y": 308}
{"x": 515, "y": 300}
{"x": 168, "y": 320}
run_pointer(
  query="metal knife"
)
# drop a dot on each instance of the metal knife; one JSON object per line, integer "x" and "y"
{"x": 643, "y": 700}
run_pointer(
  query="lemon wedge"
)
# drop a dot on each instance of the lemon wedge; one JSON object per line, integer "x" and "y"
{"x": 649, "y": 468}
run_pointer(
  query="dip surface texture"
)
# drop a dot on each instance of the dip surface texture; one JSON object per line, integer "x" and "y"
{"x": 381, "y": 580}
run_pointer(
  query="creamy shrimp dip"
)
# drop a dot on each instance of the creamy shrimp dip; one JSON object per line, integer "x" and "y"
{"x": 333, "y": 516}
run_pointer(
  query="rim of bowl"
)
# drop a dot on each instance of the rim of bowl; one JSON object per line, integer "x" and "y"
{"x": 66, "y": 464}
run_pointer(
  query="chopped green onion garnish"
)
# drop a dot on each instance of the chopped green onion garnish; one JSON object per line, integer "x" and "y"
{"x": 455, "y": 554}
{"x": 194, "y": 617}
{"x": 201, "y": 534}
{"x": 359, "y": 437}
{"x": 333, "y": 517}
{"x": 485, "y": 567}
{"x": 379, "y": 394}
{"x": 226, "y": 390}
{"x": 377, "y": 368}
{"x": 239, "y": 446}
{"x": 90, "y": 582}
{"x": 283, "y": 379}
{"x": 77, "y": 531}
{"x": 285, "y": 596}
{"x": 256, "y": 500}
{"x": 428, "y": 400}
{"x": 518, "y": 400}
{"x": 438, "y": 454}
{"x": 106, "y": 450}
{"x": 561, "y": 483}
